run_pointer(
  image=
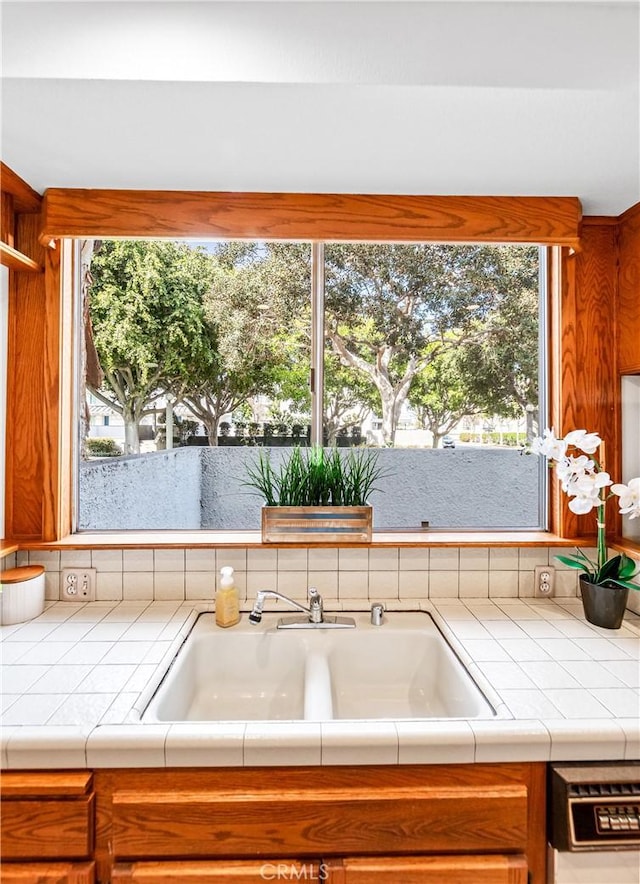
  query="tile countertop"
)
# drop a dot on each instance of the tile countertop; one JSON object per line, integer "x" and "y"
{"x": 73, "y": 678}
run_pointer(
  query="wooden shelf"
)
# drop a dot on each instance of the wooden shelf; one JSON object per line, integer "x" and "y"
{"x": 15, "y": 260}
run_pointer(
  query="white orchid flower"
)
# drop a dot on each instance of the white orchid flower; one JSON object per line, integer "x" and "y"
{"x": 587, "y": 442}
{"x": 585, "y": 492}
{"x": 549, "y": 446}
{"x": 629, "y": 498}
{"x": 571, "y": 469}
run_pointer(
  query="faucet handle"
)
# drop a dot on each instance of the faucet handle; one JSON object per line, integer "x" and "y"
{"x": 377, "y": 611}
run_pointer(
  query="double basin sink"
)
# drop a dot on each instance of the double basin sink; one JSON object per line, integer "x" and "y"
{"x": 403, "y": 669}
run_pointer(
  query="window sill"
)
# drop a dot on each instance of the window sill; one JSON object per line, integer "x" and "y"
{"x": 251, "y": 539}
{"x": 624, "y": 545}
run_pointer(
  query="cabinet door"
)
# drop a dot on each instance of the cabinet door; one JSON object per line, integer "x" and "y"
{"x": 48, "y": 873}
{"x": 427, "y": 870}
{"x": 216, "y": 872}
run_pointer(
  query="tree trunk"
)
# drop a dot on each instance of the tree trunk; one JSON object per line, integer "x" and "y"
{"x": 211, "y": 423}
{"x": 131, "y": 433}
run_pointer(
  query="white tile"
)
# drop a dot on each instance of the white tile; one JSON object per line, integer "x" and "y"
{"x": 168, "y": 585}
{"x": 157, "y": 651}
{"x": 585, "y": 739}
{"x": 93, "y": 612}
{"x": 503, "y": 584}
{"x": 5, "y": 735}
{"x": 414, "y": 559}
{"x": 84, "y": 710}
{"x": 126, "y": 651}
{"x": 413, "y": 584}
{"x": 352, "y": 559}
{"x": 443, "y": 584}
{"x": 160, "y": 610}
{"x": 27, "y": 632}
{"x": 323, "y": 560}
{"x": 43, "y": 653}
{"x": 107, "y": 679}
{"x": 86, "y": 652}
{"x": 474, "y": 559}
{"x": 107, "y": 559}
{"x": 11, "y": 652}
{"x": 56, "y": 612}
{"x": 127, "y": 611}
{"x": 18, "y": 678}
{"x": 326, "y": 582}
{"x": 464, "y": 629}
{"x": 201, "y": 560}
{"x": 50, "y": 559}
{"x": 577, "y": 703}
{"x": 108, "y": 585}
{"x": 199, "y": 585}
{"x": 626, "y": 671}
{"x": 257, "y": 580}
{"x": 146, "y": 631}
{"x": 141, "y": 677}
{"x": 506, "y": 559}
{"x": 189, "y": 745}
{"x": 519, "y": 609}
{"x": 168, "y": 560}
{"x": 529, "y": 557}
{"x": 550, "y": 674}
{"x": 120, "y": 711}
{"x": 345, "y": 742}
{"x": 52, "y": 586}
{"x": 630, "y": 646}
{"x": 539, "y": 629}
{"x": 137, "y": 560}
{"x": 69, "y": 632}
{"x": 106, "y": 632}
{"x": 434, "y": 742}
{"x": 505, "y": 675}
{"x": 384, "y": 584}
{"x": 504, "y": 629}
{"x": 353, "y": 585}
{"x": 292, "y": 560}
{"x": 525, "y": 584}
{"x": 474, "y": 584}
{"x": 631, "y": 730}
{"x": 529, "y": 704}
{"x": 293, "y": 584}
{"x": 485, "y": 609}
{"x": 232, "y": 558}
{"x": 61, "y": 679}
{"x": 262, "y": 560}
{"x": 591, "y": 674}
{"x": 61, "y": 747}
{"x": 75, "y": 558}
{"x": 33, "y": 709}
{"x": 276, "y": 743}
{"x": 127, "y": 746}
{"x": 446, "y": 559}
{"x": 622, "y": 702}
{"x": 524, "y": 649}
{"x": 511, "y": 741}
{"x": 566, "y": 584}
{"x": 485, "y": 650}
{"x": 563, "y": 649}
{"x": 383, "y": 559}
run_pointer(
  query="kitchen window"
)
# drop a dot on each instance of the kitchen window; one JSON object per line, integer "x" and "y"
{"x": 201, "y": 352}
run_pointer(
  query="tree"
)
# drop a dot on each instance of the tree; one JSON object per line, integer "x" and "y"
{"x": 249, "y": 349}
{"x": 393, "y": 309}
{"x": 145, "y": 302}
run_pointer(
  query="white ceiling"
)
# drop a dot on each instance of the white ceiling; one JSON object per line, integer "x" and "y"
{"x": 384, "y": 97}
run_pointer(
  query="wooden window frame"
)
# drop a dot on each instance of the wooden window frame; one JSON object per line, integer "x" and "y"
{"x": 581, "y": 276}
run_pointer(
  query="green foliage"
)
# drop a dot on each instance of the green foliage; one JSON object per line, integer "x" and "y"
{"x": 617, "y": 571}
{"x": 104, "y": 447}
{"x": 316, "y": 477}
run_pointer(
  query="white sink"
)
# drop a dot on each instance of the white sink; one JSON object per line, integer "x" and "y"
{"x": 403, "y": 669}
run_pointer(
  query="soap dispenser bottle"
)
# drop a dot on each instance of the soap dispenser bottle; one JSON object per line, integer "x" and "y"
{"x": 227, "y": 601}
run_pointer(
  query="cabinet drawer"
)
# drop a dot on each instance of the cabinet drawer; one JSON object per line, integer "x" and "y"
{"x": 371, "y": 819}
{"x": 47, "y": 816}
{"x": 428, "y": 870}
{"x": 216, "y": 872}
{"x": 48, "y": 873}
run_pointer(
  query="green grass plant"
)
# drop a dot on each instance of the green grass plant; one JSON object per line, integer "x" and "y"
{"x": 316, "y": 477}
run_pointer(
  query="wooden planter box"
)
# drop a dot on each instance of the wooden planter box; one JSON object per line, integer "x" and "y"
{"x": 317, "y": 524}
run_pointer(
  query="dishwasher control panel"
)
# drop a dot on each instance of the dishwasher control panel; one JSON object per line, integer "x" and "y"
{"x": 594, "y": 806}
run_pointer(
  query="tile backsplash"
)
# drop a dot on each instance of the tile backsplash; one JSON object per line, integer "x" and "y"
{"x": 339, "y": 574}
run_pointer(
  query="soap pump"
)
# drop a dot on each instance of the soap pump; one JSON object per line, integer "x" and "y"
{"x": 227, "y": 601}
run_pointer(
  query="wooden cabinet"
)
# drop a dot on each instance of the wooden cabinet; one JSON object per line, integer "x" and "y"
{"x": 47, "y": 818}
{"x": 484, "y": 821}
{"x": 463, "y": 824}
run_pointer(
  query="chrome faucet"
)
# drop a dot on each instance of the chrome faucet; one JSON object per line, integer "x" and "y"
{"x": 314, "y": 614}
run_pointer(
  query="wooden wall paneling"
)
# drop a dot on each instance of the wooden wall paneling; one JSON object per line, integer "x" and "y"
{"x": 428, "y": 870}
{"x": 587, "y": 394}
{"x": 138, "y": 213}
{"x": 216, "y": 872}
{"x": 25, "y": 198}
{"x": 628, "y": 306}
{"x": 25, "y": 391}
{"x": 48, "y": 873}
{"x": 7, "y": 218}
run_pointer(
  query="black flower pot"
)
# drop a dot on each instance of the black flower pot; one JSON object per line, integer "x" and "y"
{"x": 603, "y": 605}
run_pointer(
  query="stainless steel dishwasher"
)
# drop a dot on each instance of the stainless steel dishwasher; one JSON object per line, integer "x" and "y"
{"x": 594, "y": 823}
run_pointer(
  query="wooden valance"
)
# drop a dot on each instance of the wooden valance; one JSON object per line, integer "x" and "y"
{"x": 291, "y": 216}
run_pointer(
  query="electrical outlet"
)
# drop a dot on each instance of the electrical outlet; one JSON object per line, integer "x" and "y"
{"x": 544, "y": 581}
{"x": 78, "y": 585}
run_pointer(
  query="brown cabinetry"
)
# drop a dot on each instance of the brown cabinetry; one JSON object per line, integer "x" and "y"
{"x": 47, "y": 828}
